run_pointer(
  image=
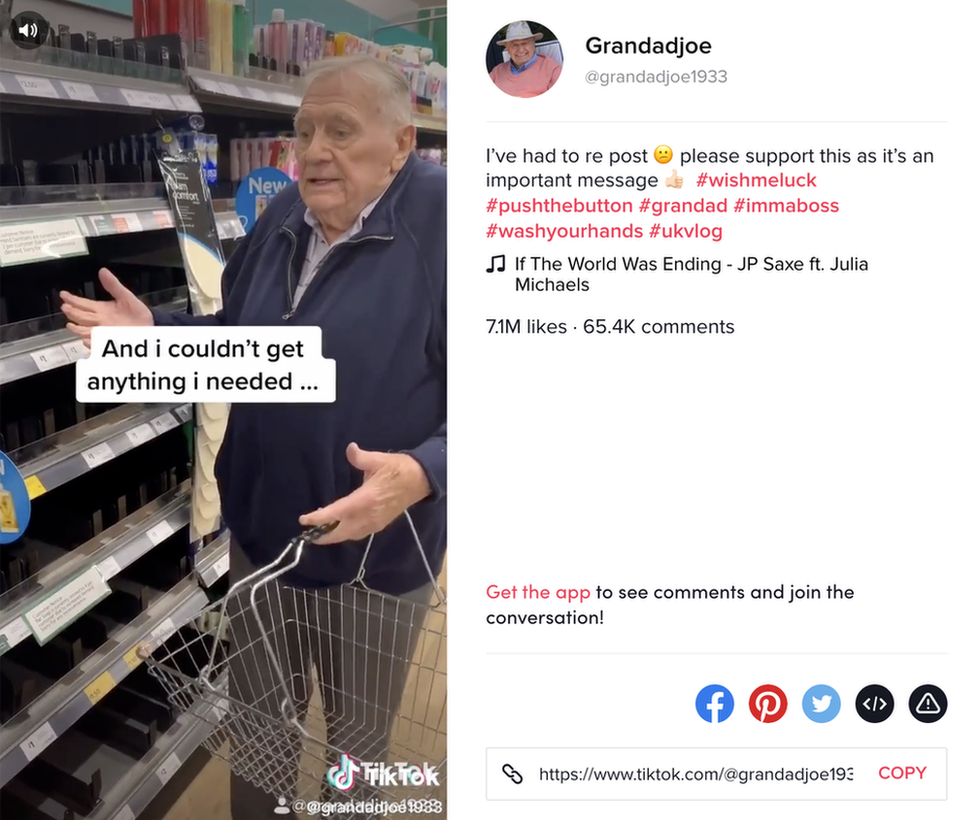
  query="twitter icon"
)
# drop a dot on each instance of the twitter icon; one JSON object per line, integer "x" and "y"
{"x": 821, "y": 703}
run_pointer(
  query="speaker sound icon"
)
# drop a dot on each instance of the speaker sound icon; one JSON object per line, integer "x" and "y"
{"x": 29, "y": 30}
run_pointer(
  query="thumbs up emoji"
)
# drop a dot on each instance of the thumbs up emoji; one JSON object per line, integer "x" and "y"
{"x": 674, "y": 181}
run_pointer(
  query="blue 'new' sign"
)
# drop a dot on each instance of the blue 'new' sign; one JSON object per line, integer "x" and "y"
{"x": 256, "y": 191}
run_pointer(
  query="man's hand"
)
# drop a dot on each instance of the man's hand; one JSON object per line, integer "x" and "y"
{"x": 124, "y": 310}
{"x": 392, "y": 483}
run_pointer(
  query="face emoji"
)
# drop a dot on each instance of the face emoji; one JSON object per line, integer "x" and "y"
{"x": 663, "y": 154}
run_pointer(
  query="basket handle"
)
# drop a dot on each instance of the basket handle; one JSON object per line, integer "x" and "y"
{"x": 260, "y": 578}
{"x": 361, "y": 575}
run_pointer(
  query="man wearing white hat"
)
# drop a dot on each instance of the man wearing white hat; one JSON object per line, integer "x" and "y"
{"x": 526, "y": 74}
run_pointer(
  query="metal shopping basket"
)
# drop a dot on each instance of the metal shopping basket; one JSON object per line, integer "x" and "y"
{"x": 319, "y": 694}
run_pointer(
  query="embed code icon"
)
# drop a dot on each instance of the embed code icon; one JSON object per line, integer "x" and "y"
{"x": 875, "y": 703}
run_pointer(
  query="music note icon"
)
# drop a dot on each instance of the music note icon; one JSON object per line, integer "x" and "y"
{"x": 494, "y": 262}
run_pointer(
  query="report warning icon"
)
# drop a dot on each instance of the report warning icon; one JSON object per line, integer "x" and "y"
{"x": 928, "y": 703}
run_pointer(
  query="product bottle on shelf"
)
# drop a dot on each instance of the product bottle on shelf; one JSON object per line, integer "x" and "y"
{"x": 149, "y": 18}
{"x": 259, "y": 37}
{"x": 201, "y": 30}
{"x": 314, "y": 42}
{"x": 216, "y": 41}
{"x": 278, "y": 37}
{"x": 295, "y": 35}
{"x": 227, "y": 36}
{"x": 158, "y": 22}
{"x": 242, "y": 36}
{"x": 139, "y": 14}
{"x": 180, "y": 20}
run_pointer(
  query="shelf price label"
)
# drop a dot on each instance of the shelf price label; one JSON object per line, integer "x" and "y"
{"x": 259, "y": 94}
{"x": 231, "y": 90}
{"x": 229, "y": 226}
{"x": 100, "y": 687}
{"x": 163, "y": 218}
{"x": 126, "y": 223}
{"x": 125, "y": 813}
{"x": 184, "y": 102}
{"x": 50, "y": 358}
{"x": 168, "y": 768}
{"x": 80, "y": 91}
{"x": 141, "y": 434}
{"x": 109, "y": 568}
{"x": 75, "y": 350}
{"x": 160, "y": 101}
{"x": 34, "y": 487}
{"x": 137, "y": 99}
{"x": 209, "y": 85}
{"x": 37, "y": 87}
{"x": 41, "y": 738}
{"x": 131, "y": 658}
{"x": 160, "y": 532}
{"x": 164, "y": 423}
{"x": 221, "y": 566}
{"x": 13, "y": 633}
{"x": 162, "y": 633}
{"x": 97, "y": 455}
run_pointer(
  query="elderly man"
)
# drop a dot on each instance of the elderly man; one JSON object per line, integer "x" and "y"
{"x": 526, "y": 74}
{"x": 357, "y": 247}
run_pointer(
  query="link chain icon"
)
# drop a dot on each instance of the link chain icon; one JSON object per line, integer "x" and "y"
{"x": 512, "y": 774}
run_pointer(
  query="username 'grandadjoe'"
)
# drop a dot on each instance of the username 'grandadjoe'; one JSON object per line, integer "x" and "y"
{"x": 676, "y": 46}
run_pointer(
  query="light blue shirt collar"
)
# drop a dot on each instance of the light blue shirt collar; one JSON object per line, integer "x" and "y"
{"x": 524, "y": 67}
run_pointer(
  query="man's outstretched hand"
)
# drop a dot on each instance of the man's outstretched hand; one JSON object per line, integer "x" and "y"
{"x": 123, "y": 310}
{"x": 392, "y": 483}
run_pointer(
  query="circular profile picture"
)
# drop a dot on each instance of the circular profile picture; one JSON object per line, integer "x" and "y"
{"x": 524, "y": 59}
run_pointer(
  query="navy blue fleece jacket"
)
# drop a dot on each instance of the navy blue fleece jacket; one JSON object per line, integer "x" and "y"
{"x": 380, "y": 299}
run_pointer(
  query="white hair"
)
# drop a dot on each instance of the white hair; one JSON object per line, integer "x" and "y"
{"x": 392, "y": 89}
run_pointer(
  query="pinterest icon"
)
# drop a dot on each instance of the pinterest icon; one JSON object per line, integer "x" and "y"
{"x": 768, "y": 703}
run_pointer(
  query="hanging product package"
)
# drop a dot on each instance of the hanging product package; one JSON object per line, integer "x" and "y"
{"x": 203, "y": 260}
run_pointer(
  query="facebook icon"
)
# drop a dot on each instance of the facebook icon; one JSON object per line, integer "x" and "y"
{"x": 714, "y": 704}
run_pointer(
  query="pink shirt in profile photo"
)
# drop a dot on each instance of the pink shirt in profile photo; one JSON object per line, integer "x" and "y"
{"x": 533, "y": 79}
